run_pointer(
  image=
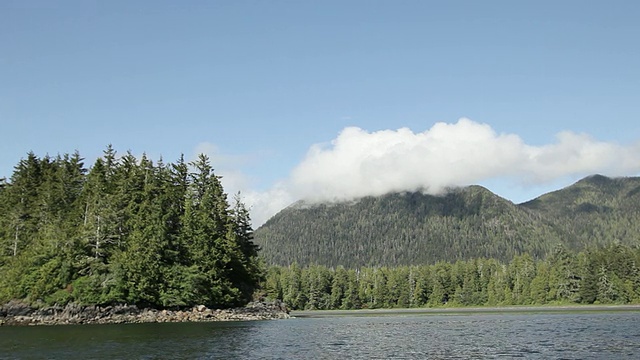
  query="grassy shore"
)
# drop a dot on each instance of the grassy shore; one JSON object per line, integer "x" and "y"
{"x": 465, "y": 310}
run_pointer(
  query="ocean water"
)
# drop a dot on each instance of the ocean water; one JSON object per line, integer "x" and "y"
{"x": 588, "y": 335}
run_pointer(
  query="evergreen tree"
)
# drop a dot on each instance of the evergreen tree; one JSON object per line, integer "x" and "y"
{"x": 339, "y": 287}
{"x": 351, "y": 299}
{"x": 125, "y": 231}
{"x": 521, "y": 272}
{"x": 21, "y": 201}
{"x": 539, "y": 288}
{"x": 564, "y": 281}
{"x": 291, "y": 281}
{"x": 273, "y": 283}
{"x": 423, "y": 287}
{"x": 246, "y": 268}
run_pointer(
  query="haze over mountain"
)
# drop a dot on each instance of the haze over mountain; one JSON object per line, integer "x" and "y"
{"x": 463, "y": 223}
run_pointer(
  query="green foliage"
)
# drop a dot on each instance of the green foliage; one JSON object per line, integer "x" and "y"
{"x": 465, "y": 223}
{"x": 126, "y": 230}
{"x": 558, "y": 279}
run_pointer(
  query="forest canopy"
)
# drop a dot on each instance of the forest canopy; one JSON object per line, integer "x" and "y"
{"x": 127, "y": 230}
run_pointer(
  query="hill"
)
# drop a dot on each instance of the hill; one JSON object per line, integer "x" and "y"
{"x": 464, "y": 223}
{"x": 596, "y": 210}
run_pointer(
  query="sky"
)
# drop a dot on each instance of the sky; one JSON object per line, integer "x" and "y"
{"x": 330, "y": 100}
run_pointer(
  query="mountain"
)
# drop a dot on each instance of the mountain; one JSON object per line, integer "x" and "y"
{"x": 596, "y": 210}
{"x": 464, "y": 223}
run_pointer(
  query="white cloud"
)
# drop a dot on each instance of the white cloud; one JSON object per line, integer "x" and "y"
{"x": 580, "y": 154}
{"x": 360, "y": 163}
{"x": 264, "y": 204}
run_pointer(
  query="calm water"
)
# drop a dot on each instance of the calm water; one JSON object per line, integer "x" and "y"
{"x": 604, "y": 335}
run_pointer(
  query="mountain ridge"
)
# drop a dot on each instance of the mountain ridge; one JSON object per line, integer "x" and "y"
{"x": 468, "y": 222}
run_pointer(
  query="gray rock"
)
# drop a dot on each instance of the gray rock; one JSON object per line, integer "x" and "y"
{"x": 19, "y": 313}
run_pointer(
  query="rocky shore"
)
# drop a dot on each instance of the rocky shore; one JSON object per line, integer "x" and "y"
{"x": 18, "y": 313}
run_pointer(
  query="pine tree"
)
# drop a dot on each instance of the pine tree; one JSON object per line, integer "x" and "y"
{"x": 540, "y": 284}
{"x": 142, "y": 264}
{"x": 293, "y": 295}
{"x": 564, "y": 281}
{"x": 246, "y": 268}
{"x": 351, "y": 299}
{"x": 126, "y": 230}
{"x": 272, "y": 284}
{"x": 22, "y": 200}
{"x": 521, "y": 272}
{"x": 207, "y": 228}
{"x": 339, "y": 287}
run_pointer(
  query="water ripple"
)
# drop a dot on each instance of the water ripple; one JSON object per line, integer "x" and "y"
{"x": 478, "y": 336}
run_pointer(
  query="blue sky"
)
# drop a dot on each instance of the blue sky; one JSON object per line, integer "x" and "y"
{"x": 258, "y": 84}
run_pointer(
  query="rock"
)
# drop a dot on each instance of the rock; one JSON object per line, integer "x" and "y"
{"x": 15, "y": 308}
{"x": 20, "y": 313}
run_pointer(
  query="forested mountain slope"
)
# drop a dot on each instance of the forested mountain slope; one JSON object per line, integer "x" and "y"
{"x": 402, "y": 229}
{"x": 596, "y": 210}
{"x": 465, "y": 223}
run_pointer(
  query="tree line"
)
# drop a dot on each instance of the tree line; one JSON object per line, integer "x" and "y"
{"x": 606, "y": 275}
{"x": 127, "y": 230}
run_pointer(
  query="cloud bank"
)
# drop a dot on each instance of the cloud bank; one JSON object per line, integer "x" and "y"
{"x": 359, "y": 163}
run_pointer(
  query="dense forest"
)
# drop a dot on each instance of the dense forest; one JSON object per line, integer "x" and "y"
{"x": 124, "y": 231}
{"x": 596, "y": 210}
{"x": 465, "y": 223}
{"x": 607, "y": 275}
{"x": 128, "y": 230}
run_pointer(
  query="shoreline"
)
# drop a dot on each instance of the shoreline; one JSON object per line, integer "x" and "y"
{"x": 16, "y": 313}
{"x": 464, "y": 310}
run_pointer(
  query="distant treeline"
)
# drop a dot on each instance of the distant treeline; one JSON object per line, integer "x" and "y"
{"x": 125, "y": 231}
{"x": 608, "y": 275}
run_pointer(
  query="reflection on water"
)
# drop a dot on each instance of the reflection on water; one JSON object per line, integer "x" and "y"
{"x": 471, "y": 336}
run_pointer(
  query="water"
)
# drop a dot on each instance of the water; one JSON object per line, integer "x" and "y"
{"x": 601, "y": 335}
